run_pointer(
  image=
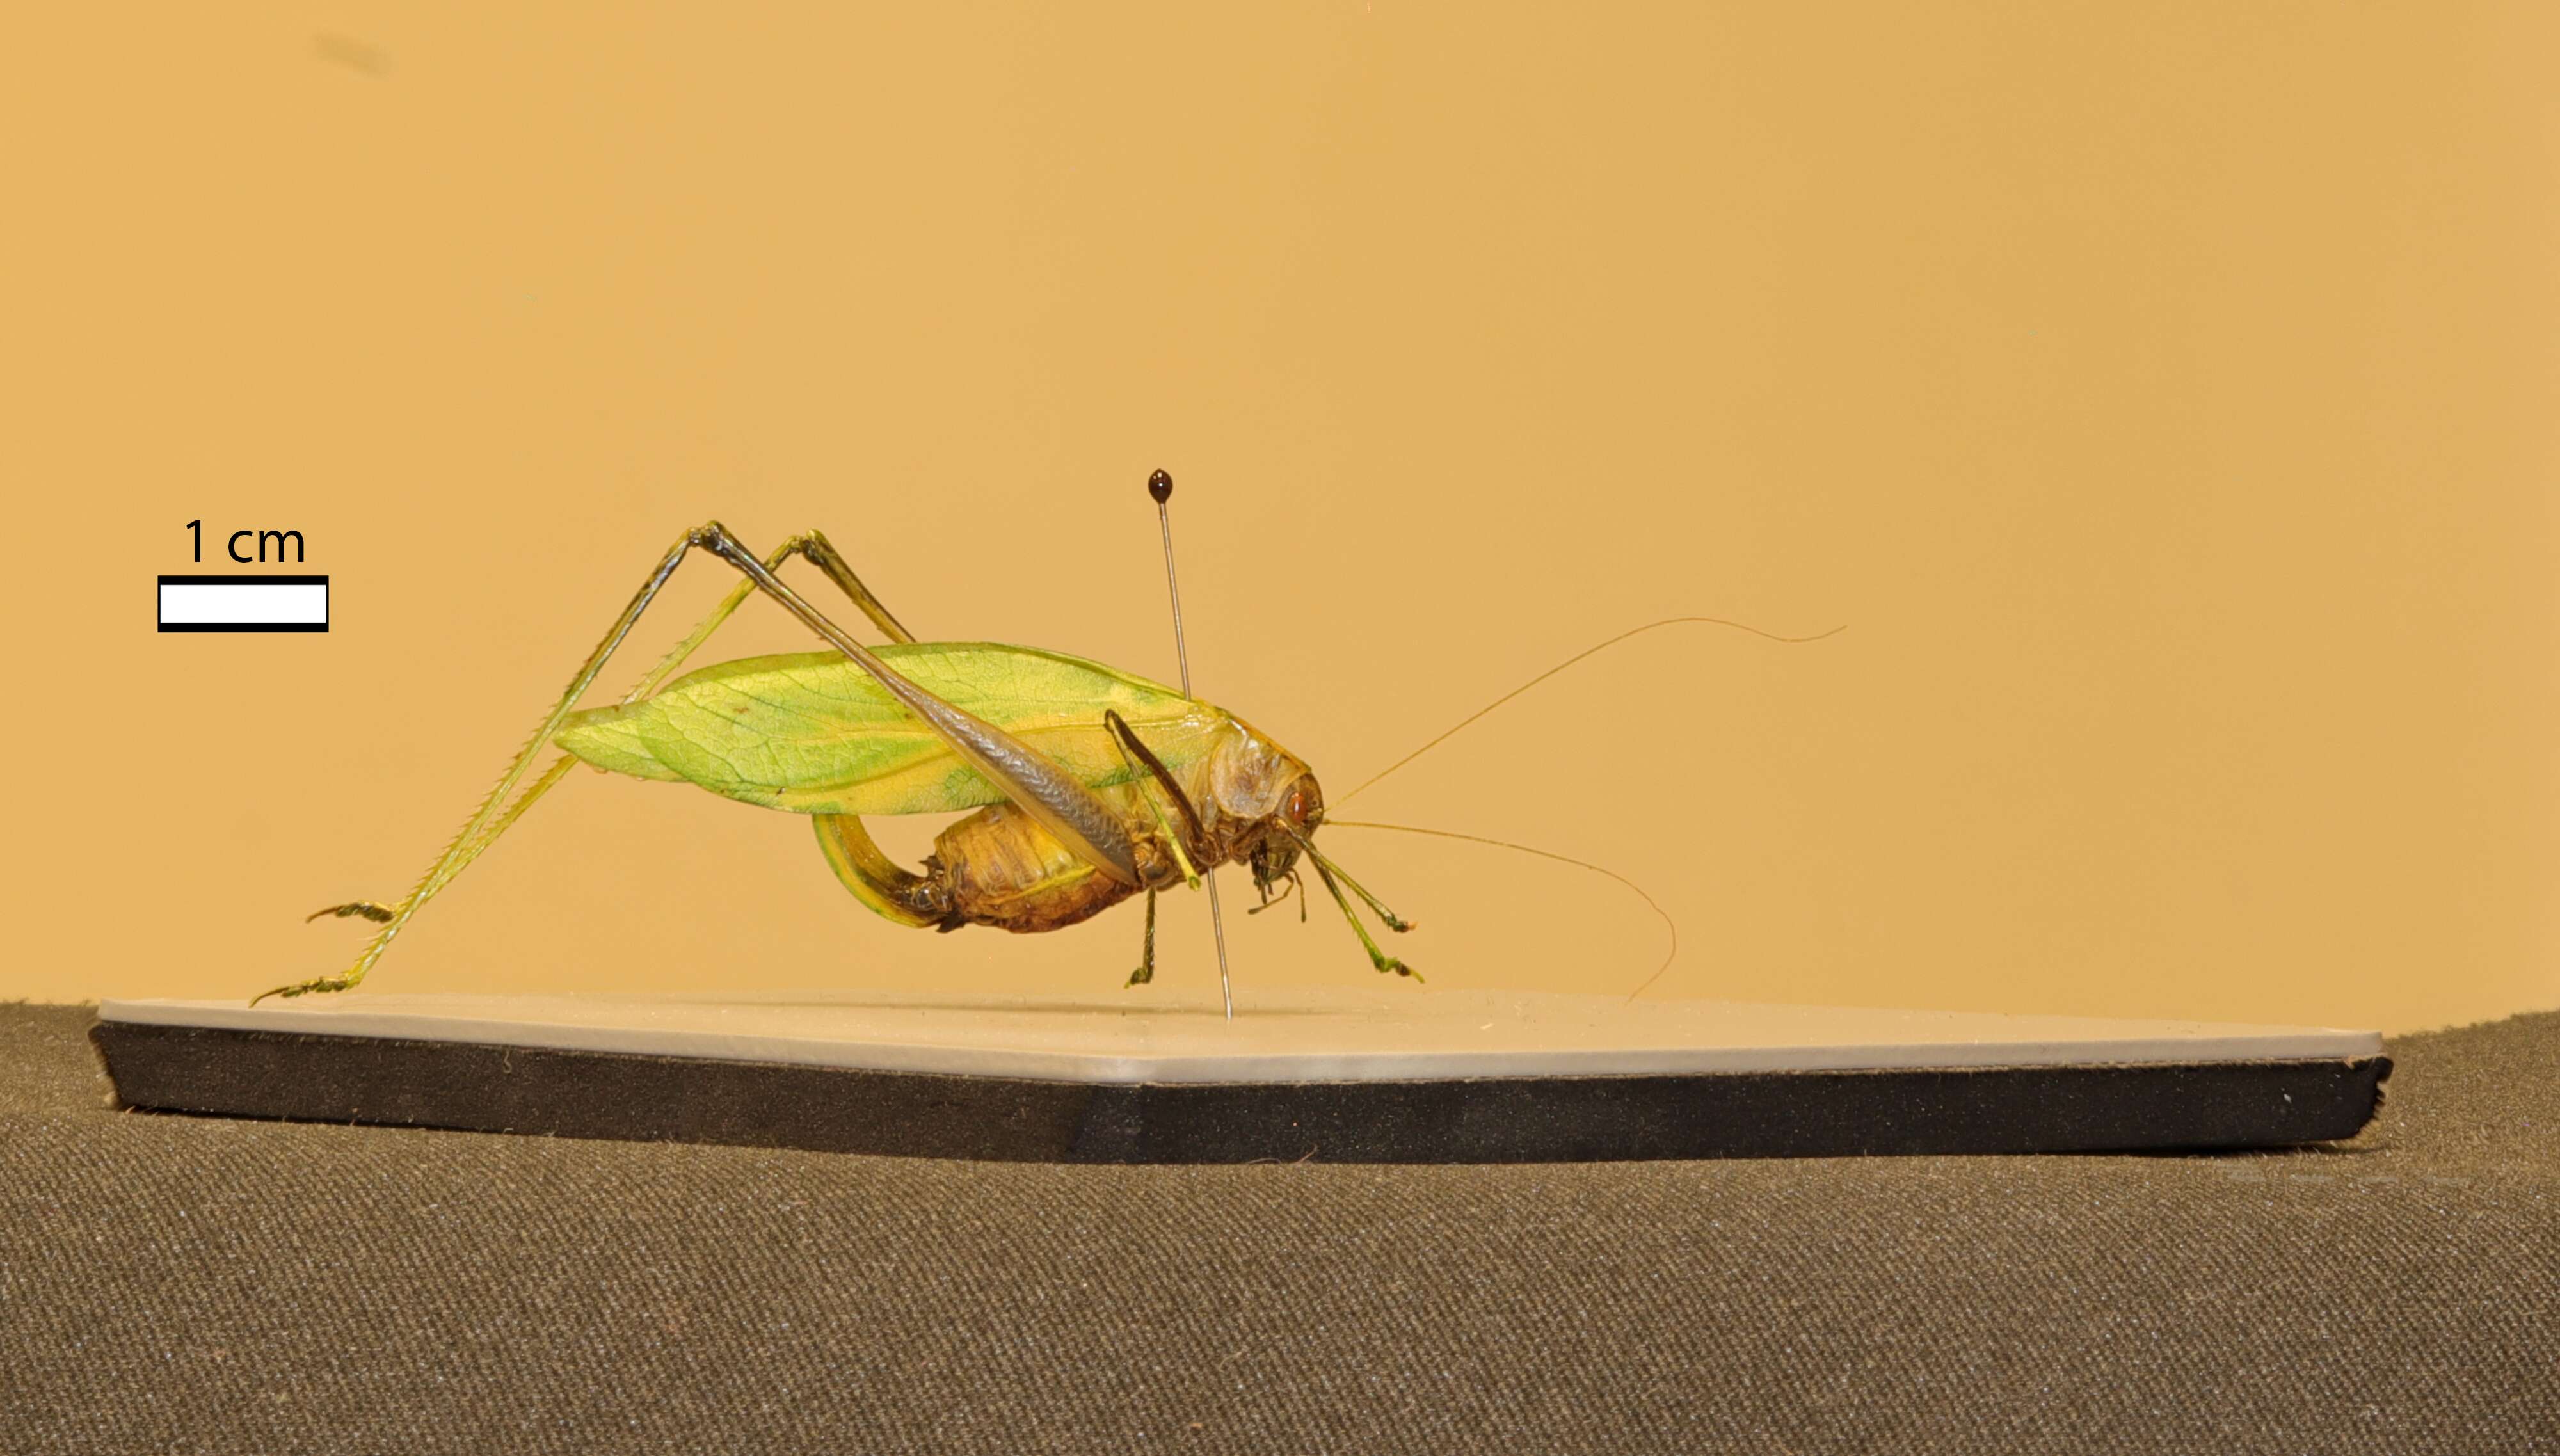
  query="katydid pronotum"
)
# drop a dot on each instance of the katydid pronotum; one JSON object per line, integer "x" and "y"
{"x": 1091, "y": 784}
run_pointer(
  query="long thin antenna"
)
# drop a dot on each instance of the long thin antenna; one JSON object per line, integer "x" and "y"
{"x": 1161, "y": 486}
{"x": 1502, "y": 844}
{"x": 1363, "y": 786}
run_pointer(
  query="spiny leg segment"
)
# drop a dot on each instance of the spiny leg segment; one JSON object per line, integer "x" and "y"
{"x": 1146, "y": 971}
{"x": 810, "y": 544}
{"x": 1129, "y": 743}
{"x": 1394, "y": 921}
{"x": 482, "y": 830}
{"x": 352, "y": 909}
{"x": 1327, "y": 873}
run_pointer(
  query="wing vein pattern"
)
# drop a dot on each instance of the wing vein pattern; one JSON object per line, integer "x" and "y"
{"x": 810, "y": 733}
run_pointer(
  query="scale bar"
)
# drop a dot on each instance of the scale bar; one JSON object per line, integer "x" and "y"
{"x": 243, "y": 603}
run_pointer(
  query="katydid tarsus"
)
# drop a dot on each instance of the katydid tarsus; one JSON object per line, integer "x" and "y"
{"x": 1091, "y": 784}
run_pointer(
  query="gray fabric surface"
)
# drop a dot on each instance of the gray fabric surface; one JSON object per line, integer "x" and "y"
{"x": 185, "y": 1284}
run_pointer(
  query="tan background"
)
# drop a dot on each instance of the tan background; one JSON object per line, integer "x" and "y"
{"x": 2162, "y": 393}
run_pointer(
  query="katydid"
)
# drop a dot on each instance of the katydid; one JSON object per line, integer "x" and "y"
{"x": 1091, "y": 785}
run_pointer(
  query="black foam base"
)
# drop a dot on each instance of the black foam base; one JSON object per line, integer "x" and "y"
{"x": 1532, "y": 1119}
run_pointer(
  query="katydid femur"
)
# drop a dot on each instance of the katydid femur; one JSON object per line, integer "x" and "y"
{"x": 1091, "y": 784}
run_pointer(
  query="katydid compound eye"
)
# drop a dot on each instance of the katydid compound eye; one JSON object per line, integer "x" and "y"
{"x": 1300, "y": 806}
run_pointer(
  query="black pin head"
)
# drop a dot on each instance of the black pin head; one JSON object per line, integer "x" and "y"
{"x": 1161, "y": 486}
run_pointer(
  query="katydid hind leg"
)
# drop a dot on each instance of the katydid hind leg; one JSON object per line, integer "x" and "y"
{"x": 1076, "y": 815}
{"x": 467, "y": 844}
{"x": 482, "y": 830}
{"x": 1081, "y": 819}
{"x": 812, "y": 545}
{"x": 823, "y": 555}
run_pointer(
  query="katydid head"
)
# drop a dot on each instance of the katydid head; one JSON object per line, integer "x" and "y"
{"x": 1262, "y": 801}
{"x": 1272, "y": 842}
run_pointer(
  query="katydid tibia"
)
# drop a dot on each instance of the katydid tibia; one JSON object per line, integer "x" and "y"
{"x": 1091, "y": 785}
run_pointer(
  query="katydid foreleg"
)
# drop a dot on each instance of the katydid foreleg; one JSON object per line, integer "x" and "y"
{"x": 1326, "y": 873}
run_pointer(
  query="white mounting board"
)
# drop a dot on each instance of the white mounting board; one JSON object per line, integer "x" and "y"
{"x": 1400, "y": 1033}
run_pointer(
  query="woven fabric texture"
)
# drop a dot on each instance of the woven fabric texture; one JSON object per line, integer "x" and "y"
{"x": 177, "y": 1285}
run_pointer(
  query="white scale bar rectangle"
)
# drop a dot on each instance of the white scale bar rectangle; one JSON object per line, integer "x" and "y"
{"x": 243, "y": 603}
